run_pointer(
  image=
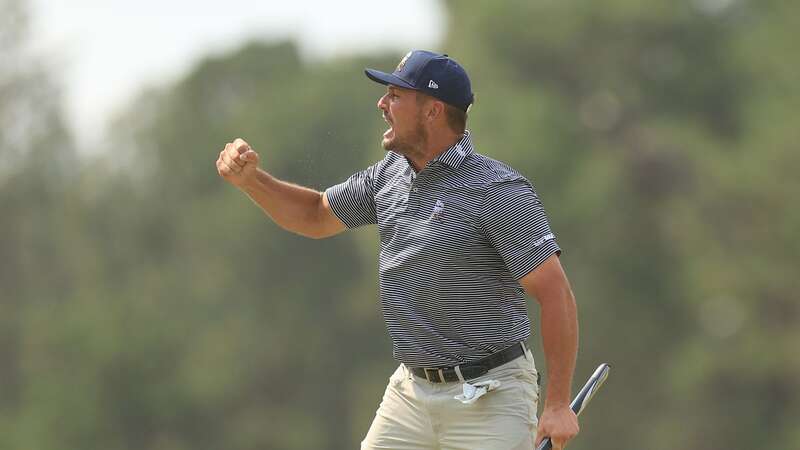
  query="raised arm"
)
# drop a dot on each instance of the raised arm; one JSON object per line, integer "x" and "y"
{"x": 295, "y": 208}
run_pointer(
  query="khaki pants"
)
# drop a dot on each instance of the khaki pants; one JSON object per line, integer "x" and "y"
{"x": 419, "y": 415}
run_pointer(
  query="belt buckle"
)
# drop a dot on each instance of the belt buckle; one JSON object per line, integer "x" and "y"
{"x": 439, "y": 372}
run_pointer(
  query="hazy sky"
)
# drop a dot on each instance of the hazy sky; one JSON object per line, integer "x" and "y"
{"x": 106, "y": 50}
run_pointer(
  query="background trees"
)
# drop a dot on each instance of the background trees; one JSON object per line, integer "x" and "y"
{"x": 146, "y": 304}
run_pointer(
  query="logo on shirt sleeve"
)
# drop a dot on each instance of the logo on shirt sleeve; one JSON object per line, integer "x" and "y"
{"x": 543, "y": 239}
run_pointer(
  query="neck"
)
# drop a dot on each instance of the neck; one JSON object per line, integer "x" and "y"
{"x": 437, "y": 144}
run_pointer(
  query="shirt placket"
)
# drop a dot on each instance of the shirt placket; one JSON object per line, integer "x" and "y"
{"x": 403, "y": 189}
{"x": 418, "y": 187}
{"x": 413, "y": 195}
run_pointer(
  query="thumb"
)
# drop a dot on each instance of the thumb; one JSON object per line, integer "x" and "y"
{"x": 540, "y": 434}
{"x": 249, "y": 156}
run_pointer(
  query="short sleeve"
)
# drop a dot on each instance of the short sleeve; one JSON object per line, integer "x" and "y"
{"x": 353, "y": 201}
{"x": 515, "y": 223}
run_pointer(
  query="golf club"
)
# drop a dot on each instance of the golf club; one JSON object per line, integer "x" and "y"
{"x": 584, "y": 396}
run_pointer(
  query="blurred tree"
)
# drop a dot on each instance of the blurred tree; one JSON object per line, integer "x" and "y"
{"x": 35, "y": 157}
{"x": 218, "y": 294}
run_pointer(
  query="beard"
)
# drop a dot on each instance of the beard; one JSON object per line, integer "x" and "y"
{"x": 411, "y": 143}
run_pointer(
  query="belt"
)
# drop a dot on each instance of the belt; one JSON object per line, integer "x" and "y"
{"x": 469, "y": 370}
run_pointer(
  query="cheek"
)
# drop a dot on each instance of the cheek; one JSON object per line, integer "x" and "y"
{"x": 401, "y": 117}
{"x": 396, "y": 115}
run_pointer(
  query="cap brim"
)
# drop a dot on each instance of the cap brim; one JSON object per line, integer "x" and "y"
{"x": 387, "y": 78}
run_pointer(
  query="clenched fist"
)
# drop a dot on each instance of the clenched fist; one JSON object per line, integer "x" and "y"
{"x": 560, "y": 424}
{"x": 237, "y": 163}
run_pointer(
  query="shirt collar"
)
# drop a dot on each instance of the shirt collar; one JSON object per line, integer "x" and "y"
{"x": 455, "y": 155}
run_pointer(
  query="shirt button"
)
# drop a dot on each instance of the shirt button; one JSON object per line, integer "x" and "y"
{"x": 414, "y": 189}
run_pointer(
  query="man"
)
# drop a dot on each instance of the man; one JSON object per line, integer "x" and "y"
{"x": 462, "y": 239}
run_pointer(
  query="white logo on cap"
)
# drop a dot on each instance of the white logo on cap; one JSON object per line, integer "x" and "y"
{"x": 402, "y": 62}
{"x": 433, "y": 85}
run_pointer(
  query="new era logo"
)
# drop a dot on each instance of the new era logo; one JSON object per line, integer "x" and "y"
{"x": 433, "y": 85}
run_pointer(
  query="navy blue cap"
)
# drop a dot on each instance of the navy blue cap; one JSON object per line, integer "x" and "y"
{"x": 432, "y": 73}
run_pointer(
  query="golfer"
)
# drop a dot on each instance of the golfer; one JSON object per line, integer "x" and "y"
{"x": 463, "y": 238}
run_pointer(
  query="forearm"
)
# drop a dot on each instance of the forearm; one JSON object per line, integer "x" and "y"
{"x": 559, "y": 329}
{"x": 292, "y": 207}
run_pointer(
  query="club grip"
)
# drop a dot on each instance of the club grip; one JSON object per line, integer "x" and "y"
{"x": 545, "y": 445}
{"x": 582, "y": 399}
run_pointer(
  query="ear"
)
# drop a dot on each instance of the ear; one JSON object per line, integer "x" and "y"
{"x": 435, "y": 109}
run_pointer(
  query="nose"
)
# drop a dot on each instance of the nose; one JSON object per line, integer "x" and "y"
{"x": 382, "y": 102}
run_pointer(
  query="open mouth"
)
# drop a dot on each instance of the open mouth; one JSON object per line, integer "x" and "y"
{"x": 391, "y": 127}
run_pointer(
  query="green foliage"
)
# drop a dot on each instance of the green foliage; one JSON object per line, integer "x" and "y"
{"x": 144, "y": 303}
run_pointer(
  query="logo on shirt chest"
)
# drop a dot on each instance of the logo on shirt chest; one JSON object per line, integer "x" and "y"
{"x": 438, "y": 209}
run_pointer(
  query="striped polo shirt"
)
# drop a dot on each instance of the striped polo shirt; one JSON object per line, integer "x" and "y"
{"x": 455, "y": 239}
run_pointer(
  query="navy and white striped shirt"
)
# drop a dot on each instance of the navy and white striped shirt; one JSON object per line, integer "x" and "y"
{"x": 455, "y": 239}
